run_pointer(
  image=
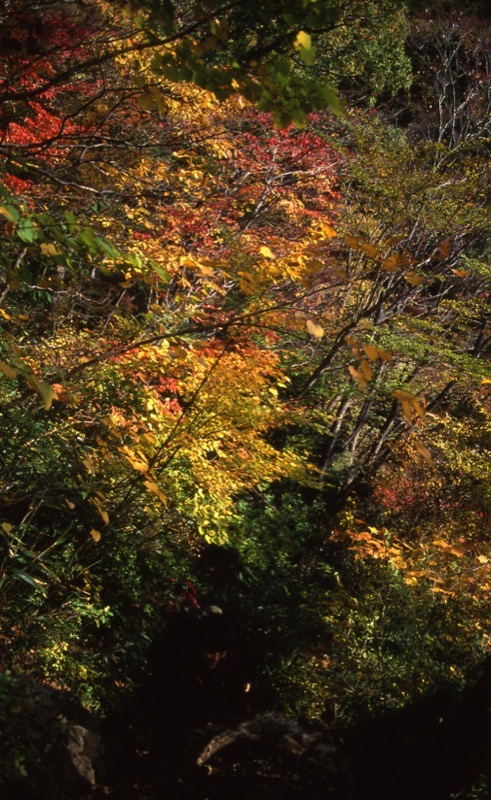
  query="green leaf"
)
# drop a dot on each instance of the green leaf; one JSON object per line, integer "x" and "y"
{"x": 27, "y": 579}
{"x": 27, "y": 231}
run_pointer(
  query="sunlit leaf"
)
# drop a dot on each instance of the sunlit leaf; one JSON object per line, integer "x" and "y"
{"x": 266, "y": 252}
{"x": 155, "y": 488}
{"x": 44, "y": 389}
{"x": 314, "y": 329}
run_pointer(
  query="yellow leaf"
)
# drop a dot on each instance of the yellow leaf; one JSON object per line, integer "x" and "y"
{"x": 303, "y": 40}
{"x": 441, "y": 543}
{"x": 266, "y": 252}
{"x": 385, "y": 355}
{"x": 136, "y": 461}
{"x": 153, "y": 487}
{"x": 314, "y": 329}
{"x": 7, "y": 370}
{"x": 177, "y": 352}
{"x": 8, "y": 214}
{"x": 4, "y": 314}
{"x": 44, "y": 389}
{"x": 95, "y": 535}
{"x": 49, "y": 249}
{"x": 328, "y": 232}
{"x": 7, "y": 527}
{"x": 102, "y": 512}
{"x": 482, "y": 559}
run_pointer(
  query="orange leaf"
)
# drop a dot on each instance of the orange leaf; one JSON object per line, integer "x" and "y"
{"x": 366, "y": 369}
{"x": 358, "y": 376}
{"x": 371, "y": 351}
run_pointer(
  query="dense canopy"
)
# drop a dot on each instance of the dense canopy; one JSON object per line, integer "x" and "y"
{"x": 244, "y": 307}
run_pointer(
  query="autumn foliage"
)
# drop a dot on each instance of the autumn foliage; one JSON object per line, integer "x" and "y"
{"x": 237, "y": 313}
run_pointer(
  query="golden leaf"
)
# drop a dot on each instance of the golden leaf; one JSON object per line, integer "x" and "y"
{"x": 369, "y": 250}
{"x": 358, "y": 376}
{"x": 304, "y": 40}
{"x": 314, "y": 329}
{"x": 49, "y": 249}
{"x": 406, "y": 410}
{"x": 366, "y": 369}
{"x": 371, "y": 351}
{"x": 328, "y": 232}
{"x": 352, "y": 241}
{"x": 401, "y": 395}
{"x": 96, "y": 535}
{"x": 266, "y": 252}
{"x": 391, "y": 263}
{"x": 46, "y": 392}
{"x": 413, "y": 278}
{"x": 153, "y": 487}
{"x": 102, "y": 512}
